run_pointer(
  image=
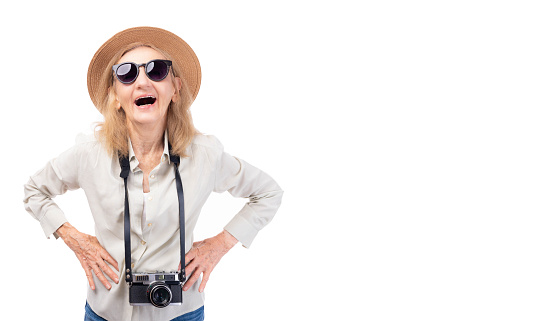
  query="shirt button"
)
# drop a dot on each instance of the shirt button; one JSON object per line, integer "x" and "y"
{"x": 152, "y": 176}
{"x": 149, "y": 224}
{"x": 150, "y": 198}
{"x": 143, "y": 242}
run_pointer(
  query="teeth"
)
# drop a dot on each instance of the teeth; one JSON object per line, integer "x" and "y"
{"x": 147, "y": 100}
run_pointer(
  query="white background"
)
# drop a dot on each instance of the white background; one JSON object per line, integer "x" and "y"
{"x": 403, "y": 134}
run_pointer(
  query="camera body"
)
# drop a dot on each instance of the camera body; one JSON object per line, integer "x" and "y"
{"x": 159, "y": 289}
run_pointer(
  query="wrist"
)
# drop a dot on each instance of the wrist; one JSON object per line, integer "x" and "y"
{"x": 228, "y": 239}
{"x": 64, "y": 230}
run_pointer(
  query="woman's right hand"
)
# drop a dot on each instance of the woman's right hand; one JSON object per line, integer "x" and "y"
{"x": 91, "y": 254}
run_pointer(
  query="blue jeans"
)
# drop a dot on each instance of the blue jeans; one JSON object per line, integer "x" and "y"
{"x": 197, "y": 315}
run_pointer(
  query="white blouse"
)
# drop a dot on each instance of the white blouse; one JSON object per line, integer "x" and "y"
{"x": 154, "y": 217}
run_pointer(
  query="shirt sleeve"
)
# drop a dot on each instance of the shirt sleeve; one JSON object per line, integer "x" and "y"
{"x": 57, "y": 177}
{"x": 241, "y": 179}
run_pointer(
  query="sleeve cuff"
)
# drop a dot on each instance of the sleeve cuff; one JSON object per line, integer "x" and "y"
{"x": 241, "y": 228}
{"x": 51, "y": 221}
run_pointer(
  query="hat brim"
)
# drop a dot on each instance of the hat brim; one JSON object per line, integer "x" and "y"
{"x": 180, "y": 51}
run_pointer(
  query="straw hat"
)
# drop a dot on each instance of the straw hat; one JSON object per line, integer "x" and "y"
{"x": 180, "y": 51}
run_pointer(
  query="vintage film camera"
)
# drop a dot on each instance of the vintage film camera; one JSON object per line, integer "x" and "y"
{"x": 159, "y": 289}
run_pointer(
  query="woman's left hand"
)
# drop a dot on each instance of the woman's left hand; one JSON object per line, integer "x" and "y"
{"x": 203, "y": 257}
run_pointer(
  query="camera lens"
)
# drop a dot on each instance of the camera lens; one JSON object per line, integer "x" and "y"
{"x": 159, "y": 294}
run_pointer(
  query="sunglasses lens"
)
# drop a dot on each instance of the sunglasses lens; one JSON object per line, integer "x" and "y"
{"x": 126, "y": 73}
{"x": 156, "y": 70}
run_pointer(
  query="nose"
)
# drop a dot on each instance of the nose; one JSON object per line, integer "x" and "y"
{"x": 142, "y": 79}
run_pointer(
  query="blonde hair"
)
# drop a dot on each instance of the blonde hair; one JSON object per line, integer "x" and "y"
{"x": 113, "y": 131}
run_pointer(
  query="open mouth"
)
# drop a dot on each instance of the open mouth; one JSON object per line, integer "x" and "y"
{"x": 143, "y": 101}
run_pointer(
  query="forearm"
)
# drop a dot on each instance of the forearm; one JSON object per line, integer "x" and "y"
{"x": 254, "y": 216}
{"x": 38, "y": 202}
{"x": 55, "y": 178}
{"x": 263, "y": 193}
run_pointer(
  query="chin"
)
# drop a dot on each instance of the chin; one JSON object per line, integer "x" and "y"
{"x": 148, "y": 118}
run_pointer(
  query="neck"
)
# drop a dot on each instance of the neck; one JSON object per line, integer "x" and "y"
{"x": 146, "y": 140}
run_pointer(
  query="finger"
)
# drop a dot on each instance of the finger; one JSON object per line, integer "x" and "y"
{"x": 99, "y": 274}
{"x": 190, "y": 261}
{"x": 179, "y": 267}
{"x": 89, "y": 275}
{"x": 193, "y": 278}
{"x": 87, "y": 270}
{"x": 206, "y": 275}
{"x": 190, "y": 267}
{"x": 108, "y": 271}
{"x": 108, "y": 258}
{"x": 97, "y": 251}
{"x": 190, "y": 255}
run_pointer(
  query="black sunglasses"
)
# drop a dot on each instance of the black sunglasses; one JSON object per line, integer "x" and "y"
{"x": 156, "y": 70}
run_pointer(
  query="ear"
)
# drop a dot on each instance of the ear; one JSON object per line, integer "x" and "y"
{"x": 177, "y": 85}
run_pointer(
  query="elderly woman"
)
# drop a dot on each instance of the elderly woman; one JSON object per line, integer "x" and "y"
{"x": 143, "y": 80}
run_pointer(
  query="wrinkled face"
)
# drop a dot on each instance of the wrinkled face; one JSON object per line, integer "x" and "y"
{"x": 144, "y": 101}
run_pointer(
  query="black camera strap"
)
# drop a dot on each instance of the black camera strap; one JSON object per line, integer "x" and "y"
{"x": 125, "y": 170}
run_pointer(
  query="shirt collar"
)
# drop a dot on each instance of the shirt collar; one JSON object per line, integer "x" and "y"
{"x": 134, "y": 161}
